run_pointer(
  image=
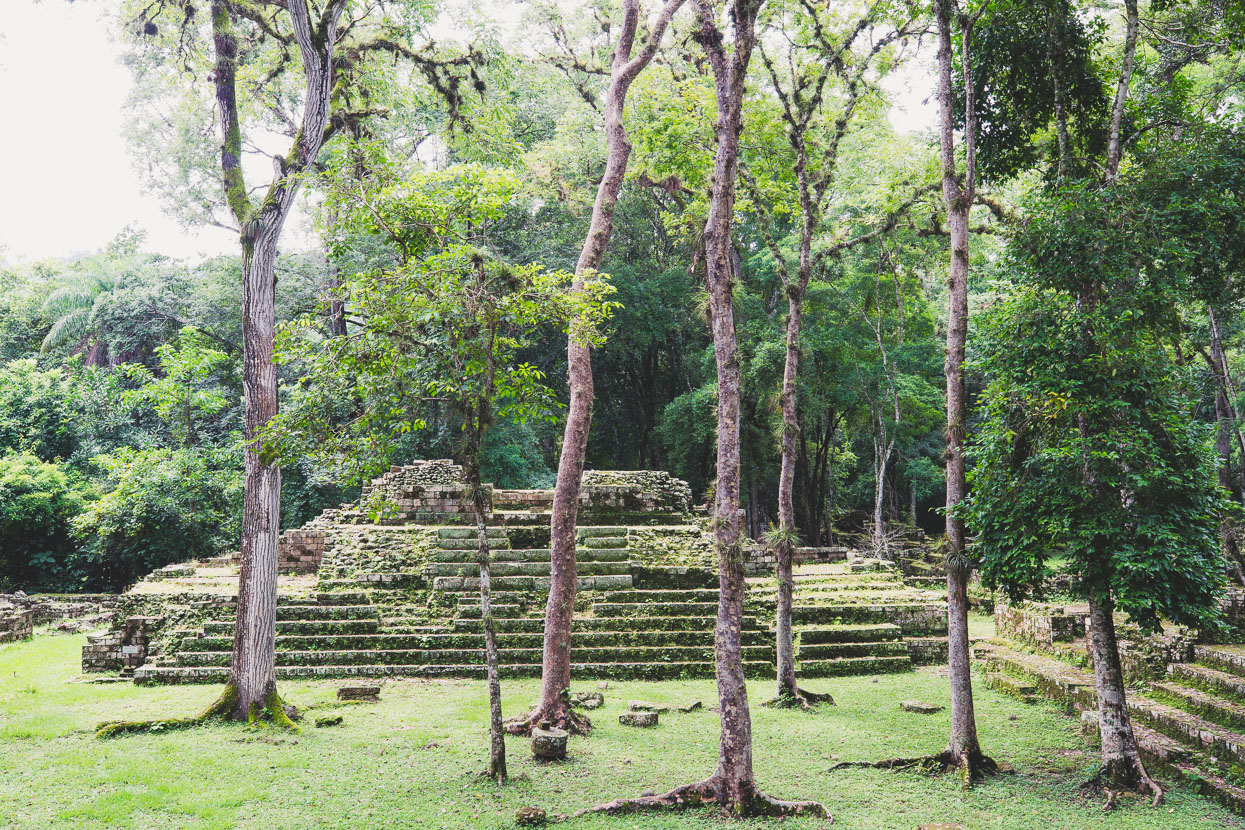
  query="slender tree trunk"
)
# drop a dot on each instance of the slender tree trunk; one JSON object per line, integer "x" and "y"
{"x": 912, "y": 503}
{"x": 497, "y": 734}
{"x": 1121, "y": 760}
{"x": 1226, "y": 388}
{"x": 1223, "y": 443}
{"x": 559, "y": 610}
{"x": 963, "y": 747}
{"x": 881, "y": 457}
{"x": 732, "y": 787}
{"x": 788, "y": 687}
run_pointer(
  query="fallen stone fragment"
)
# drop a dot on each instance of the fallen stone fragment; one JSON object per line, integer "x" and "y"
{"x": 691, "y": 707}
{"x": 941, "y": 826}
{"x": 368, "y": 693}
{"x": 641, "y": 719}
{"x": 529, "y": 817}
{"x": 919, "y": 707}
{"x": 645, "y": 706}
{"x": 329, "y": 720}
{"x": 588, "y": 700}
{"x": 1089, "y": 722}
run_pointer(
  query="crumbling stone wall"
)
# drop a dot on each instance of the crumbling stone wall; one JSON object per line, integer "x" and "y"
{"x": 300, "y": 551}
{"x": 16, "y": 622}
{"x": 1039, "y": 624}
{"x": 123, "y": 649}
{"x": 657, "y": 490}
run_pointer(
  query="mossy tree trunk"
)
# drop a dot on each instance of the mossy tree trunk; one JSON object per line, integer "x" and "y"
{"x": 253, "y": 662}
{"x": 559, "y": 610}
{"x": 1121, "y": 758}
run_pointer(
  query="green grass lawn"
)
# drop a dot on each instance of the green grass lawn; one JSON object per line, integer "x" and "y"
{"x": 411, "y": 760}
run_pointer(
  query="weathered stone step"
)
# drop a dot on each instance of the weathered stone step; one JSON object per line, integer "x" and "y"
{"x": 509, "y": 656}
{"x": 845, "y": 666}
{"x": 534, "y": 555}
{"x": 603, "y": 582}
{"x": 621, "y": 624}
{"x": 589, "y": 531}
{"x": 389, "y": 579}
{"x": 533, "y": 640}
{"x": 660, "y": 609}
{"x": 1227, "y": 659}
{"x": 849, "y": 634}
{"x": 342, "y": 598}
{"x": 1208, "y": 679}
{"x": 500, "y": 612}
{"x": 472, "y": 543}
{"x": 912, "y": 618}
{"x": 369, "y": 626}
{"x": 705, "y": 595}
{"x": 504, "y": 568}
{"x": 619, "y": 671}
{"x": 602, "y": 541}
{"x": 327, "y": 612}
{"x": 470, "y": 533}
{"x": 1212, "y": 707}
{"x": 1007, "y": 684}
{"x": 833, "y": 651}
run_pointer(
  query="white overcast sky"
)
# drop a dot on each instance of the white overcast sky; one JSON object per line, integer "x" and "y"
{"x": 66, "y": 182}
{"x": 67, "y": 185}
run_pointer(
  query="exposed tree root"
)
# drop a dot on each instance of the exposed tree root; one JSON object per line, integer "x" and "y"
{"x": 971, "y": 767}
{"x": 221, "y": 708}
{"x": 561, "y": 716}
{"x": 1133, "y": 779}
{"x": 803, "y": 698}
{"x": 712, "y": 792}
{"x": 271, "y": 712}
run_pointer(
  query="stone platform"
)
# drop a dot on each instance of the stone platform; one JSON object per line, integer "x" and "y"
{"x": 395, "y": 592}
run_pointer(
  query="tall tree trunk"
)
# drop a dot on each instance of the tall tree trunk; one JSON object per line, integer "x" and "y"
{"x": 560, "y": 608}
{"x": 881, "y": 457}
{"x": 1121, "y": 761}
{"x": 963, "y": 748}
{"x": 788, "y": 687}
{"x": 732, "y": 787}
{"x": 253, "y": 663}
{"x": 912, "y": 503}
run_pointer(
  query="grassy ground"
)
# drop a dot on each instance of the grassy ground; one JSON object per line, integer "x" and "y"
{"x": 410, "y": 760}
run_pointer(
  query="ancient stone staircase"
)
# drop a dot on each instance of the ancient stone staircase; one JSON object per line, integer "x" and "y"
{"x": 859, "y": 623}
{"x": 1190, "y": 723}
{"x": 625, "y": 633}
{"x": 396, "y": 592}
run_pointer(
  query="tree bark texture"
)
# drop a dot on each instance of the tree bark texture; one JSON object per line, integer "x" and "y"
{"x": 959, "y": 198}
{"x": 497, "y": 734}
{"x": 253, "y": 663}
{"x": 1121, "y": 760}
{"x": 559, "y": 610}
